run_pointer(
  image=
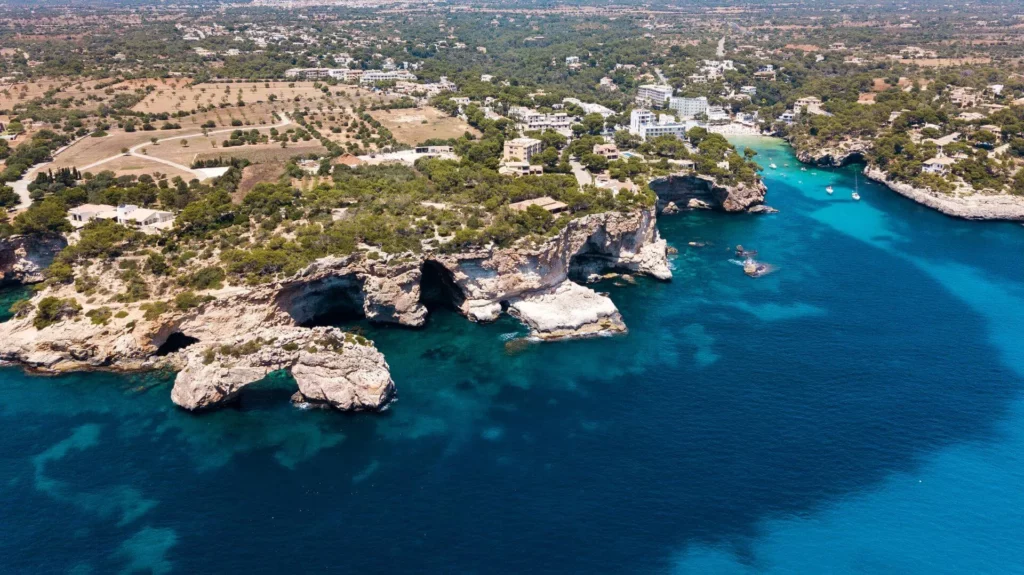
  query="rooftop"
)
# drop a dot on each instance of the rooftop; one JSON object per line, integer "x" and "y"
{"x": 548, "y": 203}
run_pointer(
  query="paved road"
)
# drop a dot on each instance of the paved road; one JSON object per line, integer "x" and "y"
{"x": 20, "y": 187}
{"x": 583, "y": 177}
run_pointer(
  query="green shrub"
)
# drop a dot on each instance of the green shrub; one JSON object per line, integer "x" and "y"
{"x": 21, "y": 308}
{"x": 188, "y": 300}
{"x": 52, "y": 310}
{"x": 154, "y": 309}
{"x": 99, "y": 316}
{"x": 207, "y": 278}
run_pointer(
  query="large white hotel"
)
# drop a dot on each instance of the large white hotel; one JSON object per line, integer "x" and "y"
{"x": 645, "y": 124}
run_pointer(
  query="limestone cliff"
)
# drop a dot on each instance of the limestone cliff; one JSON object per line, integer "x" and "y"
{"x": 23, "y": 259}
{"x": 245, "y": 332}
{"x": 832, "y": 155}
{"x": 703, "y": 192}
{"x": 967, "y": 204}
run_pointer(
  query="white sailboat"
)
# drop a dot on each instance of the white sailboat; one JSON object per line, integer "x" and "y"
{"x": 829, "y": 190}
{"x": 772, "y": 165}
{"x": 856, "y": 188}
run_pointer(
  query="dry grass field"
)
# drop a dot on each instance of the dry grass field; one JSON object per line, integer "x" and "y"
{"x": 182, "y": 98}
{"x": 89, "y": 150}
{"x": 415, "y": 125}
{"x": 134, "y": 166}
{"x": 201, "y": 149}
{"x": 943, "y": 62}
{"x": 22, "y": 92}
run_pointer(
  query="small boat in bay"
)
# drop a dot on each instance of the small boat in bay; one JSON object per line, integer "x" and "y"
{"x": 772, "y": 166}
{"x": 855, "y": 196}
{"x": 829, "y": 190}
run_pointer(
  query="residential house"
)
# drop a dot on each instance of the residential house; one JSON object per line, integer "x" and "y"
{"x": 609, "y": 151}
{"x": 85, "y": 213}
{"x": 938, "y": 165}
{"x": 520, "y": 169}
{"x": 550, "y": 204}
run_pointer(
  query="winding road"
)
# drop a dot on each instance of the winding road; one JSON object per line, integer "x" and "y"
{"x": 21, "y": 186}
{"x": 134, "y": 150}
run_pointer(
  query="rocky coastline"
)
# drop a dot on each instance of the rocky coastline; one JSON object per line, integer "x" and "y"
{"x": 24, "y": 259}
{"x": 968, "y": 206}
{"x": 833, "y": 155}
{"x": 692, "y": 191}
{"x": 965, "y": 204}
{"x": 242, "y": 333}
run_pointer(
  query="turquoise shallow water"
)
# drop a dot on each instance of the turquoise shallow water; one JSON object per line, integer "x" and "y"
{"x": 857, "y": 411}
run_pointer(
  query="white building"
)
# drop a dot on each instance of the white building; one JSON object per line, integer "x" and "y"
{"x": 530, "y": 119}
{"x": 689, "y": 107}
{"x": 643, "y": 123}
{"x": 938, "y": 165}
{"x": 374, "y": 76}
{"x": 144, "y": 219}
{"x": 520, "y": 169}
{"x": 133, "y": 216}
{"x": 717, "y": 114}
{"x": 589, "y": 108}
{"x": 748, "y": 90}
{"x": 654, "y": 95}
{"x": 85, "y": 213}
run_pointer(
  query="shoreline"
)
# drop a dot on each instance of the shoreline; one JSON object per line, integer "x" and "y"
{"x": 975, "y": 207}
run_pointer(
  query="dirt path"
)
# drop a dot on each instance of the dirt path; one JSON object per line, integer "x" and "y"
{"x": 134, "y": 150}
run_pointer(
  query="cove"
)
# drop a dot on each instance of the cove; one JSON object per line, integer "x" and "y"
{"x": 859, "y": 410}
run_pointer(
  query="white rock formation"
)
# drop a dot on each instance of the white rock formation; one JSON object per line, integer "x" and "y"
{"x": 570, "y": 310}
{"x": 330, "y": 367}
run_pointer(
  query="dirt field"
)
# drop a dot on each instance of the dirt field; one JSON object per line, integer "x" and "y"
{"x": 201, "y": 148}
{"x": 255, "y": 174}
{"x": 89, "y": 150}
{"x": 131, "y": 165}
{"x": 412, "y": 126}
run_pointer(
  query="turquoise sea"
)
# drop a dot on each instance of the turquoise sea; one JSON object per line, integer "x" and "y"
{"x": 857, "y": 411}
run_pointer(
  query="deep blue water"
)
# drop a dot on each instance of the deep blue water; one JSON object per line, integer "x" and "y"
{"x": 857, "y": 411}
